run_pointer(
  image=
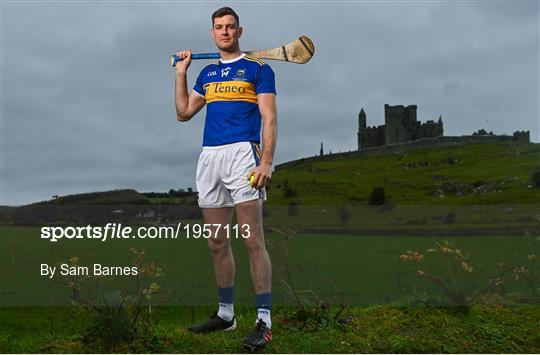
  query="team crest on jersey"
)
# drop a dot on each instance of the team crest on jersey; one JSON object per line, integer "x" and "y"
{"x": 240, "y": 75}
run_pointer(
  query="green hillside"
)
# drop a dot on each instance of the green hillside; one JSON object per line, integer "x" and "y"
{"x": 467, "y": 189}
{"x": 470, "y": 174}
{"x": 114, "y": 197}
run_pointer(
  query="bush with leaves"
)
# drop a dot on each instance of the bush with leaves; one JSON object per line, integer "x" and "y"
{"x": 288, "y": 190}
{"x": 456, "y": 281}
{"x": 312, "y": 308}
{"x": 535, "y": 179}
{"x": 450, "y": 218}
{"x": 344, "y": 214}
{"x": 121, "y": 319}
{"x": 292, "y": 209}
{"x": 377, "y": 196}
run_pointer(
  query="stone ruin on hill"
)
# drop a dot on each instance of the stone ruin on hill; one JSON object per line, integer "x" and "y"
{"x": 402, "y": 126}
{"x": 401, "y": 133}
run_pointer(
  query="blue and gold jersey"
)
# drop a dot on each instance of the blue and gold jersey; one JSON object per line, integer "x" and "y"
{"x": 230, "y": 89}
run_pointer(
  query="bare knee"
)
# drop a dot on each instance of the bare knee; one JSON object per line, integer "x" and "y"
{"x": 255, "y": 246}
{"x": 219, "y": 246}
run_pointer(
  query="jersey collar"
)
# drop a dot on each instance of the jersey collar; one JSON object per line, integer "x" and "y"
{"x": 232, "y": 60}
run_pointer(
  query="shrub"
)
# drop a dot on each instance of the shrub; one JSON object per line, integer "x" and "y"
{"x": 293, "y": 209}
{"x": 344, "y": 214}
{"x": 377, "y": 196}
{"x": 313, "y": 309}
{"x": 8, "y": 218}
{"x": 535, "y": 179}
{"x": 453, "y": 273}
{"x": 112, "y": 324}
{"x": 452, "y": 160}
{"x": 121, "y": 319}
{"x": 449, "y": 218}
{"x": 287, "y": 190}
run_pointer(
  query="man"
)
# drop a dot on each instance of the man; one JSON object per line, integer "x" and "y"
{"x": 240, "y": 93}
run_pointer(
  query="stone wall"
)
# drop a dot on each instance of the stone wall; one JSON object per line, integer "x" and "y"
{"x": 522, "y": 136}
{"x": 430, "y": 129}
{"x": 372, "y": 136}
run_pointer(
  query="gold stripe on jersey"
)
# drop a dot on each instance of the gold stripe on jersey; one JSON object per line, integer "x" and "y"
{"x": 230, "y": 91}
{"x": 254, "y": 59}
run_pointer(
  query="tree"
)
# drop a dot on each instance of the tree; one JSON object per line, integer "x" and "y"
{"x": 535, "y": 179}
{"x": 293, "y": 209}
{"x": 287, "y": 190}
{"x": 344, "y": 214}
{"x": 377, "y": 196}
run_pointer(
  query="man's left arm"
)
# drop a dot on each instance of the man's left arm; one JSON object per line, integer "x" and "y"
{"x": 267, "y": 107}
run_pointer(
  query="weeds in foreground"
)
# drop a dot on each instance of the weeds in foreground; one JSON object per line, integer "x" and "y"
{"x": 311, "y": 309}
{"x": 121, "y": 319}
{"x": 455, "y": 281}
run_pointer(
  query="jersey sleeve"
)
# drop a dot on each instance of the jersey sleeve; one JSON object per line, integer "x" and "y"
{"x": 266, "y": 81}
{"x": 198, "y": 88}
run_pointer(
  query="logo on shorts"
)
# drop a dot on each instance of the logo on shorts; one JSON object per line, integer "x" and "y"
{"x": 249, "y": 193}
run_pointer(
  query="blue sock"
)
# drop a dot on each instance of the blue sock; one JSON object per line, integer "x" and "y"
{"x": 264, "y": 305}
{"x": 226, "y": 295}
{"x": 226, "y": 303}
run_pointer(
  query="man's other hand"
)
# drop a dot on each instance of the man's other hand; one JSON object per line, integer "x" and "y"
{"x": 183, "y": 65}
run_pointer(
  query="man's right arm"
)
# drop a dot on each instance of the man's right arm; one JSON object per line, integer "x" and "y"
{"x": 187, "y": 105}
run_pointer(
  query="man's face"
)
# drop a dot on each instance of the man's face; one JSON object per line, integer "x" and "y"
{"x": 226, "y": 33}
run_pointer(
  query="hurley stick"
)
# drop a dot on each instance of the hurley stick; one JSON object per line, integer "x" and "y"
{"x": 299, "y": 51}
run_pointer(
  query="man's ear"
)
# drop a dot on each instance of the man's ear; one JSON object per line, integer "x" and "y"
{"x": 240, "y": 31}
{"x": 212, "y": 34}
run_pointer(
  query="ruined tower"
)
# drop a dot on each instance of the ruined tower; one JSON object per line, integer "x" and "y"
{"x": 368, "y": 136}
{"x": 399, "y": 121}
{"x": 361, "y": 127}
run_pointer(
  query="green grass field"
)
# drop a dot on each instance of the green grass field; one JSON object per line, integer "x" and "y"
{"x": 477, "y": 188}
{"x": 400, "y": 218}
{"x": 487, "y": 329}
{"x": 362, "y": 270}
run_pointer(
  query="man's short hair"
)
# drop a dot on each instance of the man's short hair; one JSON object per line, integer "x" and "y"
{"x": 225, "y": 11}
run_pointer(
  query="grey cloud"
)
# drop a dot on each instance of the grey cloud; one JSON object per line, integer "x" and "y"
{"x": 88, "y": 92}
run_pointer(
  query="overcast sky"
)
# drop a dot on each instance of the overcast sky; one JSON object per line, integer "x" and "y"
{"x": 88, "y": 92}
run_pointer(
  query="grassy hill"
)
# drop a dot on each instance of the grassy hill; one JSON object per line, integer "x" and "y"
{"x": 121, "y": 206}
{"x": 487, "y": 173}
{"x": 453, "y": 190}
{"x": 470, "y": 189}
{"x": 114, "y": 197}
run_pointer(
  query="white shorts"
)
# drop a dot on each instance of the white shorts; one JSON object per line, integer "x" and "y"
{"x": 222, "y": 175}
